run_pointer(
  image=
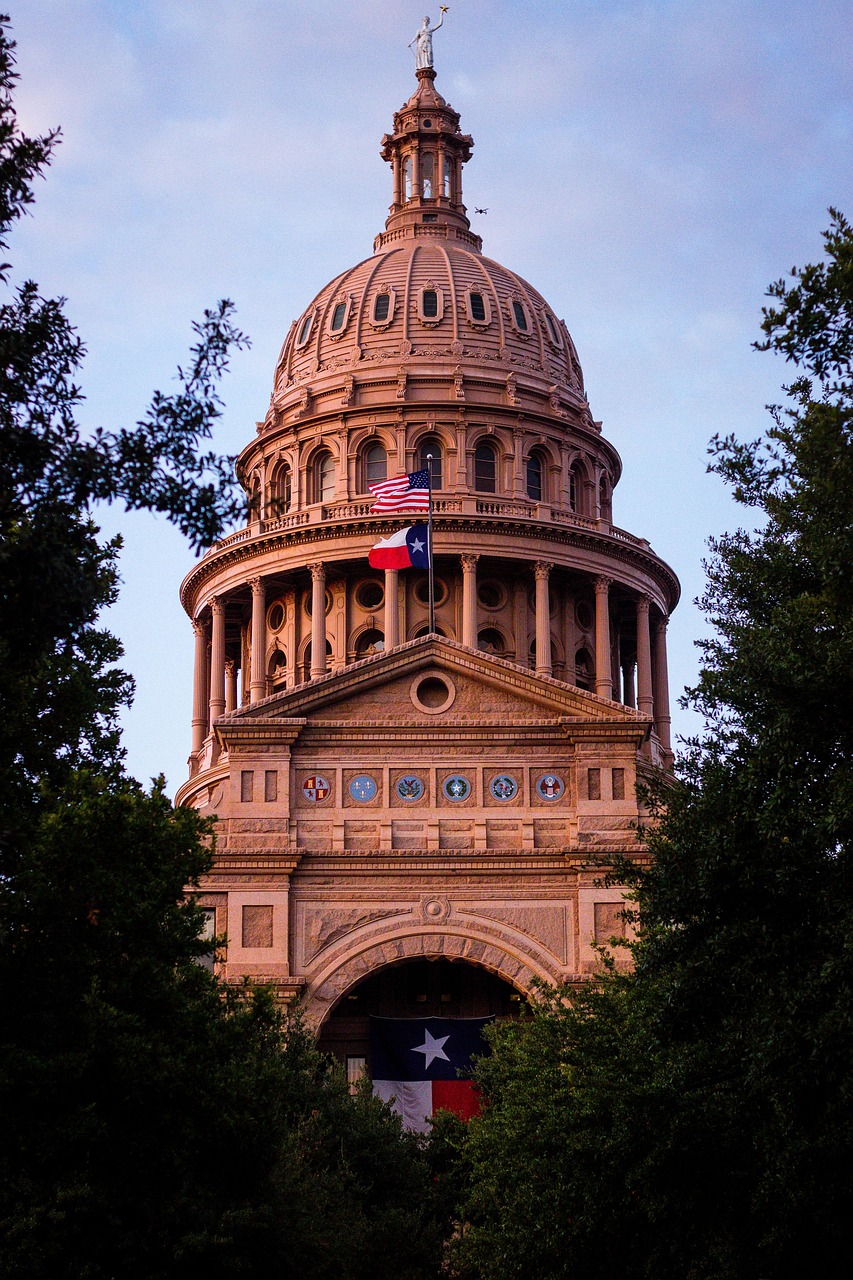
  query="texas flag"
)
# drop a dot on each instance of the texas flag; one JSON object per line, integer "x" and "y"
{"x": 415, "y": 1065}
{"x": 405, "y": 549}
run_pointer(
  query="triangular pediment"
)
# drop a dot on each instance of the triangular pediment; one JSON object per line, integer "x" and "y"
{"x": 404, "y": 688}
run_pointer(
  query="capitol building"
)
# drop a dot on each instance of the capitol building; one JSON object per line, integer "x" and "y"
{"x": 412, "y": 820}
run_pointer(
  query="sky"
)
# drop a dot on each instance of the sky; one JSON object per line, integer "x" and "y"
{"x": 650, "y": 167}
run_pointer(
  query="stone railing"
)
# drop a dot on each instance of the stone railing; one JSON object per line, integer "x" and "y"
{"x": 469, "y": 505}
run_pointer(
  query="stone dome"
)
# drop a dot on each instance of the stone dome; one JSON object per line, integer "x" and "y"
{"x": 436, "y": 299}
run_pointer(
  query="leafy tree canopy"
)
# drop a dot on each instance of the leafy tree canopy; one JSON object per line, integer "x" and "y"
{"x": 155, "y": 1123}
{"x": 693, "y": 1119}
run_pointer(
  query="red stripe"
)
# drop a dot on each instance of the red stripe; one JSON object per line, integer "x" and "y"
{"x": 389, "y": 557}
{"x": 417, "y": 500}
{"x": 462, "y": 1097}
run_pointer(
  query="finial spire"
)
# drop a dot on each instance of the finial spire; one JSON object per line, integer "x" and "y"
{"x": 423, "y": 41}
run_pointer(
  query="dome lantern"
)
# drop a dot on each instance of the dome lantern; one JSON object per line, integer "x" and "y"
{"x": 426, "y": 152}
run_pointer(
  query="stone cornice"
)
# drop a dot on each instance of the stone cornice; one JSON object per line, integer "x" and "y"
{"x": 522, "y": 529}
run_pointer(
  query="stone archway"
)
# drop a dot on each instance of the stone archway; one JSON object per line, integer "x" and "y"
{"x": 348, "y": 968}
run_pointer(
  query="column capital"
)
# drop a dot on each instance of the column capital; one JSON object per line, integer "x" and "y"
{"x": 257, "y": 585}
{"x": 602, "y": 584}
{"x": 230, "y": 667}
{"x": 643, "y": 604}
{"x": 662, "y": 624}
{"x": 217, "y": 606}
{"x": 318, "y": 571}
{"x": 542, "y": 569}
{"x": 469, "y": 563}
{"x": 199, "y": 628}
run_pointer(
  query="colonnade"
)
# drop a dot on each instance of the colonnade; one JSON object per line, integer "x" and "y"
{"x": 215, "y": 684}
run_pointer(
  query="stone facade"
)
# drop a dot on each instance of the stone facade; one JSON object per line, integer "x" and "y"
{"x": 386, "y": 794}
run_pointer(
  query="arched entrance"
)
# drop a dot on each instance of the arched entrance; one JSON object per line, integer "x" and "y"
{"x": 435, "y": 987}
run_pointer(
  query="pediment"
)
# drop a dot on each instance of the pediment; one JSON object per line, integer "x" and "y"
{"x": 403, "y": 687}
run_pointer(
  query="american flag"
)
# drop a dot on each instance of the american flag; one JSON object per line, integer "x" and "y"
{"x": 403, "y": 493}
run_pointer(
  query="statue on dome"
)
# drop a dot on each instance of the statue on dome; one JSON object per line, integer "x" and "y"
{"x": 423, "y": 40}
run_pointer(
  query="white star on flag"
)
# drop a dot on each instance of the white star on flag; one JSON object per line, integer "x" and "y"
{"x": 432, "y": 1047}
{"x": 417, "y": 545}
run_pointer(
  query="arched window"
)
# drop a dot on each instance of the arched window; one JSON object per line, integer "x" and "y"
{"x": 324, "y": 478}
{"x": 339, "y": 315}
{"x": 490, "y": 640}
{"x": 447, "y": 177}
{"x": 375, "y": 464}
{"x": 407, "y": 177}
{"x": 429, "y": 303}
{"x": 281, "y": 491}
{"x": 381, "y": 308}
{"x": 604, "y": 499}
{"x": 427, "y": 176}
{"x": 368, "y": 643}
{"x": 520, "y": 316}
{"x": 576, "y": 487}
{"x": 584, "y": 669}
{"x": 433, "y": 464}
{"x": 534, "y": 477}
{"x": 305, "y": 330}
{"x": 485, "y": 469}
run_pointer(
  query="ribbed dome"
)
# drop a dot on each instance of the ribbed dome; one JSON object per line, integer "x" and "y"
{"x": 440, "y": 301}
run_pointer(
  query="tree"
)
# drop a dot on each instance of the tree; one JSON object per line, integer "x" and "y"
{"x": 693, "y": 1118}
{"x": 155, "y": 1124}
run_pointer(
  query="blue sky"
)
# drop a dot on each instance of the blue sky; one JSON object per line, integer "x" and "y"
{"x": 649, "y": 167}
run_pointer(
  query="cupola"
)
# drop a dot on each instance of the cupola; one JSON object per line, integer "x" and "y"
{"x": 426, "y": 152}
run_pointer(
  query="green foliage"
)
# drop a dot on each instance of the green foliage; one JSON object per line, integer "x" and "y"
{"x": 156, "y": 1124}
{"x": 693, "y": 1119}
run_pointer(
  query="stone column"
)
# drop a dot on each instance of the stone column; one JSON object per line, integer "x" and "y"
{"x": 200, "y": 694}
{"x": 542, "y": 569}
{"x": 217, "y": 661}
{"x": 628, "y": 695}
{"x": 230, "y": 685}
{"x": 645, "y": 700}
{"x": 603, "y": 674}
{"x": 392, "y": 609}
{"x": 661, "y": 694}
{"x": 318, "y": 619}
{"x": 257, "y": 673}
{"x": 469, "y": 601}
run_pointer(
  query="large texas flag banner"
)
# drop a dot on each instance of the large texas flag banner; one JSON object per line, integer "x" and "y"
{"x": 415, "y": 1065}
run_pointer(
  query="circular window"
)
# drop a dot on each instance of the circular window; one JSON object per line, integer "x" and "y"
{"x": 275, "y": 616}
{"x": 421, "y": 589}
{"x": 370, "y": 594}
{"x": 410, "y": 787}
{"x": 433, "y": 693}
{"x": 309, "y": 600}
{"x": 363, "y": 788}
{"x": 503, "y": 787}
{"x": 585, "y": 615}
{"x": 456, "y": 787}
{"x": 491, "y": 594}
{"x": 549, "y": 786}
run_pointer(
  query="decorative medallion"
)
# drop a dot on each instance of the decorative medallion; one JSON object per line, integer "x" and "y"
{"x": 362, "y": 788}
{"x": 410, "y": 787}
{"x": 550, "y": 787}
{"x": 456, "y": 787}
{"x": 316, "y": 788}
{"x": 503, "y": 787}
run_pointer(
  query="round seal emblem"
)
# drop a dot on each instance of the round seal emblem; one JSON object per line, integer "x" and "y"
{"x": 456, "y": 787}
{"x": 362, "y": 788}
{"x": 550, "y": 787}
{"x": 410, "y": 787}
{"x": 316, "y": 788}
{"x": 503, "y": 787}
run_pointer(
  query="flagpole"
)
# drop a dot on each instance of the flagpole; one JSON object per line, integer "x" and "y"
{"x": 431, "y": 580}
